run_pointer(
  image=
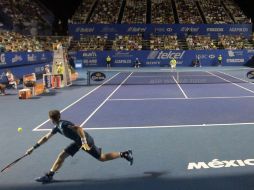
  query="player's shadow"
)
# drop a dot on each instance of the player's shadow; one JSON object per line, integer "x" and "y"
{"x": 149, "y": 175}
{"x": 152, "y": 181}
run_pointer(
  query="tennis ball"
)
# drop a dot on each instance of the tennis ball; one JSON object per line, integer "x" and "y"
{"x": 20, "y": 129}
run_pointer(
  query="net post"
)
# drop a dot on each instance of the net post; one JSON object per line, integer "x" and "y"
{"x": 88, "y": 78}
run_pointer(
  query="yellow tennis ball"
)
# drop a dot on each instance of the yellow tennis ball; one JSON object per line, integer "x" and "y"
{"x": 20, "y": 129}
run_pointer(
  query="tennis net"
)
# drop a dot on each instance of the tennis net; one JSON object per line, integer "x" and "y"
{"x": 168, "y": 76}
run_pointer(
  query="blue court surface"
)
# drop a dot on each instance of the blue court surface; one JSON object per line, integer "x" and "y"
{"x": 184, "y": 136}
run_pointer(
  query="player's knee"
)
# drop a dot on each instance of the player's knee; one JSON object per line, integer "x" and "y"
{"x": 102, "y": 158}
{"x": 62, "y": 156}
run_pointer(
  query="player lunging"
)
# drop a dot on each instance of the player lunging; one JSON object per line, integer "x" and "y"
{"x": 82, "y": 140}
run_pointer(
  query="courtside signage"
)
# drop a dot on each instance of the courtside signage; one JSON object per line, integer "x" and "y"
{"x": 98, "y": 76}
{"x": 216, "y": 164}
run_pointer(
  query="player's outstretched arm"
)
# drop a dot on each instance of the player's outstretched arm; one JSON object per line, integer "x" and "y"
{"x": 40, "y": 142}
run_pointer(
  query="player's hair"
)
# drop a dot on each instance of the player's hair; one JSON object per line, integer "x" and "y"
{"x": 55, "y": 115}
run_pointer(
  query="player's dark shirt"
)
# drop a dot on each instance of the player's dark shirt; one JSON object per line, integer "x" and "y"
{"x": 66, "y": 128}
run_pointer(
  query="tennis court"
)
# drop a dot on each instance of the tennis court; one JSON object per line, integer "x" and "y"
{"x": 188, "y": 129}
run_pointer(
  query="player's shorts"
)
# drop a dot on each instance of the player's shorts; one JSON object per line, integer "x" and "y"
{"x": 74, "y": 147}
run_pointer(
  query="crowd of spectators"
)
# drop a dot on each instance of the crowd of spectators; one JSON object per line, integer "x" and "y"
{"x": 82, "y": 12}
{"x": 164, "y": 42}
{"x": 162, "y": 12}
{"x": 15, "y": 42}
{"x": 233, "y": 42}
{"x": 200, "y": 42}
{"x": 236, "y": 12}
{"x": 106, "y": 12}
{"x": 214, "y": 12}
{"x": 188, "y": 12}
{"x": 89, "y": 43}
{"x": 128, "y": 42}
{"x": 26, "y": 16}
{"x": 135, "y": 12}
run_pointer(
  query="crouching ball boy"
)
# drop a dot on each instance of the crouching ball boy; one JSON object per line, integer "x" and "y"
{"x": 81, "y": 140}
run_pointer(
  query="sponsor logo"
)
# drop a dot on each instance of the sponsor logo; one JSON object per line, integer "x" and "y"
{"x": 90, "y": 54}
{"x": 90, "y": 62}
{"x": 215, "y": 29}
{"x": 205, "y": 56}
{"x": 16, "y": 58}
{"x": 163, "y": 29}
{"x": 191, "y": 29}
{"x": 98, "y": 76}
{"x": 2, "y": 59}
{"x": 84, "y": 30}
{"x": 43, "y": 57}
{"x": 235, "y": 60}
{"x": 153, "y": 63}
{"x": 216, "y": 164}
{"x": 232, "y": 29}
{"x": 165, "y": 55}
{"x": 123, "y": 61}
{"x": 31, "y": 57}
{"x": 234, "y": 53}
{"x": 136, "y": 29}
{"x": 121, "y": 54}
{"x": 2, "y": 75}
{"x": 109, "y": 29}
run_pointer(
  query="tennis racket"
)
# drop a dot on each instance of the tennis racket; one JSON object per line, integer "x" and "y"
{"x": 14, "y": 162}
{"x": 250, "y": 75}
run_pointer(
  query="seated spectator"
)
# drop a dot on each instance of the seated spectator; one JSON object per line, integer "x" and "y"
{"x": 164, "y": 42}
{"x": 200, "y": 42}
{"x": 106, "y": 12}
{"x": 135, "y": 12}
{"x": 128, "y": 42}
{"x": 232, "y": 42}
{"x": 188, "y": 12}
{"x": 11, "y": 79}
{"x": 162, "y": 12}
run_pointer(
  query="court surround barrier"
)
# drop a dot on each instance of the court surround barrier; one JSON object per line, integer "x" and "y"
{"x": 161, "y": 58}
{"x": 111, "y": 30}
{"x": 21, "y": 63}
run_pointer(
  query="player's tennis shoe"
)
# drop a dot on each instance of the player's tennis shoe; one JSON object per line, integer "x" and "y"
{"x": 44, "y": 179}
{"x": 128, "y": 156}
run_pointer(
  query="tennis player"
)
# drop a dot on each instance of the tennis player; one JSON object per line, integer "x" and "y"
{"x": 173, "y": 63}
{"x": 81, "y": 140}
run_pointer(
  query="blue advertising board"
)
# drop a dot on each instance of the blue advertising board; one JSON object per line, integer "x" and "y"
{"x": 21, "y": 63}
{"x": 161, "y": 57}
{"x": 77, "y": 30}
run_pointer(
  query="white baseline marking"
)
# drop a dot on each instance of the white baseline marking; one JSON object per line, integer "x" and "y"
{"x": 194, "y": 98}
{"x": 104, "y": 102}
{"x": 235, "y": 77}
{"x": 180, "y": 88}
{"x": 36, "y": 128}
{"x": 160, "y": 127}
{"x": 232, "y": 83}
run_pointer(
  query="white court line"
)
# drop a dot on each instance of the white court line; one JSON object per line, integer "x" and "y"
{"x": 36, "y": 128}
{"x": 180, "y": 88}
{"x": 194, "y": 98}
{"x": 235, "y": 77}
{"x": 161, "y": 127}
{"x": 82, "y": 124}
{"x": 232, "y": 83}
